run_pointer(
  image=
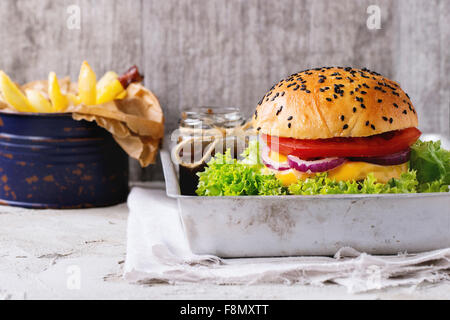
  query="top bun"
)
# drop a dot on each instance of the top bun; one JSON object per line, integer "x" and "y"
{"x": 333, "y": 102}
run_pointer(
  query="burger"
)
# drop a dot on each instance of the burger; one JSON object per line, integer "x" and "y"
{"x": 343, "y": 121}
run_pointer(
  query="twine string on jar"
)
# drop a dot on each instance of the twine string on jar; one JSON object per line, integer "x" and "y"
{"x": 215, "y": 135}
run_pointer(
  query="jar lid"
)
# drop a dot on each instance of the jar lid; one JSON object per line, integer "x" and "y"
{"x": 208, "y": 116}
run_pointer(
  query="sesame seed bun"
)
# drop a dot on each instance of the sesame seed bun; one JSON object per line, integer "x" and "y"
{"x": 333, "y": 102}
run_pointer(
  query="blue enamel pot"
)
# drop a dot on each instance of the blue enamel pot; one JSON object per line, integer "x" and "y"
{"x": 53, "y": 161}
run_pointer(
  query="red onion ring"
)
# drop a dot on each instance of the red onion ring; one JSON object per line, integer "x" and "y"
{"x": 316, "y": 165}
{"x": 389, "y": 160}
{"x": 280, "y": 166}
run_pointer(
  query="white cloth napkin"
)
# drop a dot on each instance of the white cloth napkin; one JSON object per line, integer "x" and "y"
{"x": 158, "y": 252}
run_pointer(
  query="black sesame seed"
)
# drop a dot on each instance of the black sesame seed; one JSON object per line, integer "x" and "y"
{"x": 385, "y": 119}
{"x": 391, "y": 120}
{"x": 372, "y": 126}
{"x": 282, "y": 94}
{"x": 395, "y": 105}
{"x": 290, "y": 118}
{"x": 404, "y": 112}
{"x": 259, "y": 128}
{"x": 335, "y": 96}
{"x": 289, "y": 125}
{"x": 345, "y": 126}
{"x": 351, "y": 92}
{"x": 354, "y": 109}
{"x": 363, "y": 106}
{"x": 296, "y": 87}
{"x": 279, "y": 110}
{"x": 321, "y": 80}
{"x": 342, "y": 118}
{"x": 338, "y": 78}
{"x": 380, "y": 101}
{"x": 307, "y": 91}
{"x": 363, "y": 92}
{"x": 328, "y": 99}
{"x": 367, "y": 123}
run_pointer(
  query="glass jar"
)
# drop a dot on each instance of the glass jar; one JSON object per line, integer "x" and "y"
{"x": 201, "y": 126}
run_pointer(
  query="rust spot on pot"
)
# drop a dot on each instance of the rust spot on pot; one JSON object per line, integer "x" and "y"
{"x": 67, "y": 129}
{"x": 5, "y": 178}
{"x": 29, "y": 196}
{"x": 7, "y": 155}
{"x": 77, "y": 172}
{"x": 80, "y": 190}
{"x": 32, "y": 179}
{"x": 86, "y": 178}
{"x": 13, "y": 194}
{"x": 21, "y": 163}
{"x": 6, "y": 188}
{"x": 49, "y": 178}
{"x": 80, "y": 165}
{"x": 1, "y": 122}
{"x": 4, "y": 203}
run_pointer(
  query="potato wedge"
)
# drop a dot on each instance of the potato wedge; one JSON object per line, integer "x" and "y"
{"x": 73, "y": 99}
{"x": 13, "y": 96}
{"x": 38, "y": 101}
{"x": 107, "y": 78}
{"x": 110, "y": 92}
{"x": 87, "y": 82}
{"x": 58, "y": 99}
{"x": 122, "y": 95}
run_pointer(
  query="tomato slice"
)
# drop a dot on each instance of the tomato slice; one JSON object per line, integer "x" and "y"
{"x": 377, "y": 145}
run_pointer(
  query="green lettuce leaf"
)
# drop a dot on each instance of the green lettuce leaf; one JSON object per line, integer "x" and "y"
{"x": 321, "y": 184}
{"x": 224, "y": 176}
{"x": 432, "y": 164}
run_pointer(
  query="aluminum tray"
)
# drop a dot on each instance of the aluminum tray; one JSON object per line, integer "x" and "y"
{"x": 257, "y": 226}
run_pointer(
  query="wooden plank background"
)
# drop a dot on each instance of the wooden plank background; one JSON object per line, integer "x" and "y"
{"x": 229, "y": 52}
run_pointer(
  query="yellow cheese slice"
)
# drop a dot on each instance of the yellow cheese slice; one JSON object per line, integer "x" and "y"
{"x": 346, "y": 172}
